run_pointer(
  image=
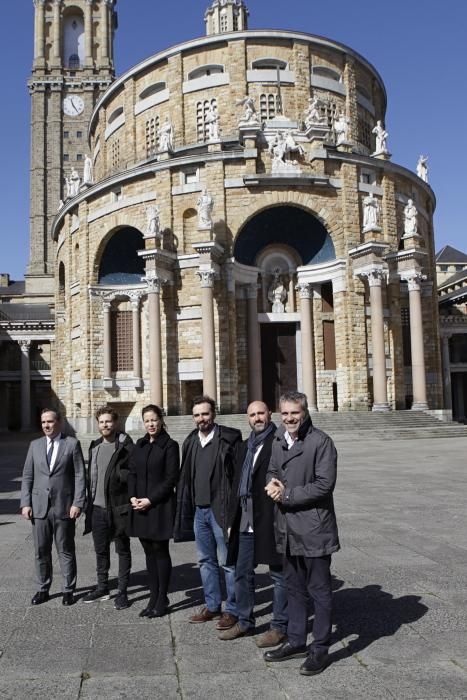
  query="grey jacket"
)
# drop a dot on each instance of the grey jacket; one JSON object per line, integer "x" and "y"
{"x": 305, "y": 519}
{"x": 63, "y": 488}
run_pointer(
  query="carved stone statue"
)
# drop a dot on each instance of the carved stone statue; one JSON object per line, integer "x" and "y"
{"x": 166, "y": 136}
{"x": 341, "y": 127}
{"x": 88, "y": 176}
{"x": 205, "y": 205}
{"x": 313, "y": 116}
{"x": 73, "y": 183}
{"x": 371, "y": 210}
{"x": 281, "y": 148}
{"x": 277, "y": 294}
{"x": 410, "y": 219}
{"x": 212, "y": 120}
{"x": 153, "y": 221}
{"x": 250, "y": 115}
{"x": 381, "y": 138}
{"x": 422, "y": 168}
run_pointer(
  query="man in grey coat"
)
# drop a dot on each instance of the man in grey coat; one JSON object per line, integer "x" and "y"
{"x": 53, "y": 494}
{"x": 301, "y": 479}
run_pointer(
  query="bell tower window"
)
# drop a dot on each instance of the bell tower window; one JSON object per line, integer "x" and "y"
{"x": 73, "y": 41}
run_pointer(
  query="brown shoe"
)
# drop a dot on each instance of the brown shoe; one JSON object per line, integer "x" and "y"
{"x": 271, "y": 638}
{"x": 234, "y": 632}
{"x": 204, "y": 615}
{"x": 226, "y": 622}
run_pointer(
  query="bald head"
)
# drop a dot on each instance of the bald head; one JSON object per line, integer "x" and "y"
{"x": 259, "y": 416}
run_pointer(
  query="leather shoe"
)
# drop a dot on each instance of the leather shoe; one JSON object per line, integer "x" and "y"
{"x": 204, "y": 615}
{"x": 270, "y": 638}
{"x": 226, "y": 621}
{"x": 68, "y": 599}
{"x": 284, "y": 652}
{"x": 235, "y": 632}
{"x": 145, "y": 612}
{"x": 314, "y": 663}
{"x": 40, "y": 597}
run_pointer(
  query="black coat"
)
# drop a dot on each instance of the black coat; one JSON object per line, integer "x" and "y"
{"x": 154, "y": 468}
{"x": 226, "y": 440}
{"x": 115, "y": 485}
{"x": 305, "y": 521}
{"x": 263, "y": 509}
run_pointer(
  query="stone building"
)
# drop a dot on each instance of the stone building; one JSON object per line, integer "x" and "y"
{"x": 451, "y": 271}
{"x": 229, "y": 220}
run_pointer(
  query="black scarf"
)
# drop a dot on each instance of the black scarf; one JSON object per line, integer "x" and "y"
{"x": 254, "y": 441}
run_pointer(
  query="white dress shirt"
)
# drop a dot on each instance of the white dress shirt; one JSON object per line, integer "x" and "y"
{"x": 56, "y": 441}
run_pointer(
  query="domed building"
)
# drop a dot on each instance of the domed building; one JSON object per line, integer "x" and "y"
{"x": 236, "y": 226}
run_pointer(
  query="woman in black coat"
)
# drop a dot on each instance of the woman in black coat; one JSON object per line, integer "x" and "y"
{"x": 153, "y": 475}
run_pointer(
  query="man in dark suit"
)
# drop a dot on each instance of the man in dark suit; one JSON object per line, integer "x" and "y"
{"x": 203, "y": 495}
{"x": 251, "y": 540}
{"x": 53, "y": 494}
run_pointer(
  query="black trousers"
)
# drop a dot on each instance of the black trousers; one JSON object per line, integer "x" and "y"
{"x": 309, "y": 577}
{"x": 159, "y": 566}
{"x": 102, "y": 536}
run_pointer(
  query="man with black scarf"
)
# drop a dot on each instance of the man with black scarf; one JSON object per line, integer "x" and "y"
{"x": 251, "y": 540}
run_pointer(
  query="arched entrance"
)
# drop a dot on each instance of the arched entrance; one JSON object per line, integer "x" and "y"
{"x": 275, "y": 244}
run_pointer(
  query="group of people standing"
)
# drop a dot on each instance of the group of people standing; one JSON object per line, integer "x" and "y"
{"x": 266, "y": 500}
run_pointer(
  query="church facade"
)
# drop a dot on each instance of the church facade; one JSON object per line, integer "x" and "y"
{"x": 229, "y": 221}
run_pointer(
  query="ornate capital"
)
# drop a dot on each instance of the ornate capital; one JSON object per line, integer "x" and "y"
{"x": 374, "y": 275}
{"x": 305, "y": 290}
{"x": 206, "y": 277}
{"x": 24, "y": 346}
{"x": 251, "y": 291}
{"x": 414, "y": 280}
{"x": 154, "y": 284}
{"x": 135, "y": 298}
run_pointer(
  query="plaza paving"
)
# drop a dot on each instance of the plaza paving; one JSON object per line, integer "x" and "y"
{"x": 400, "y": 585}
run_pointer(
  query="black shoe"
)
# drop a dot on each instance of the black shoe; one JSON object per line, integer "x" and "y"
{"x": 96, "y": 594}
{"x": 146, "y": 612}
{"x": 40, "y": 597}
{"x": 68, "y": 599}
{"x": 121, "y": 601}
{"x": 314, "y": 663}
{"x": 284, "y": 652}
{"x": 160, "y": 609}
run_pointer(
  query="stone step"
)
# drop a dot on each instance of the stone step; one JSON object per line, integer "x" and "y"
{"x": 349, "y": 426}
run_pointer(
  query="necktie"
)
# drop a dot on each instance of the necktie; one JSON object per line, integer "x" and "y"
{"x": 50, "y": 452}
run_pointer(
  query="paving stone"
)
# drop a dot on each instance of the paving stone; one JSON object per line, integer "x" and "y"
{"x": 155, "y": 633}
{"x": 65, "y": 688}
{"x": 436, "y": 681}
{"x": 234, "y": 686}
{"x": 53, "y": 661}
{"x": 240, "y": 655}
{"x": 124, "y": 687}
{"x": 134, "y": 660}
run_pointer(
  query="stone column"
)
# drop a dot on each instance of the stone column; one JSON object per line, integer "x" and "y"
{"x": 380, "y": 392}
{"x": 88, "y": 32}
{"x": 25, "y": 346}
{"x": 56, "y": 54}
{"x": 155, "y": 340}
{"x": 105, "y": 33}
{"x": 305, "y": 290}
{"x": 255, "y": 384}
{"x": 446, "y": 372}
{"x": 414, "y": 280}
{"x": 208, "y": 336}
{"x": 107, "y": 349}
{"x": 39, "y": 30}
{"x": 136, "y": 337}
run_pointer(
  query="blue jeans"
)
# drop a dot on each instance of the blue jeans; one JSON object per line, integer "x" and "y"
{"x": 245, "y": 587}
{"x": 212, "y": 555}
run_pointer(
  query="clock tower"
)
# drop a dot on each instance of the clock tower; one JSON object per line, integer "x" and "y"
{"x": 73, "y": 65}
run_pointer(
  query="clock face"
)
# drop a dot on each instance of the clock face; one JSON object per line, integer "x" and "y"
{"x": 73, "y": 105}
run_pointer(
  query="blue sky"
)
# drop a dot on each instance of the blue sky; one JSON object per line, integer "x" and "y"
{"x": 418, "y": 47}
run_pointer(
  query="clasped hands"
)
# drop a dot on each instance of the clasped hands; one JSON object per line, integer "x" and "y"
{"x": 275, "y": 489}
{"x": 140, "y": 503}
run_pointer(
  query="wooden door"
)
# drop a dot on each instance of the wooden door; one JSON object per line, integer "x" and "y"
{"x": 279, "y": 361}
